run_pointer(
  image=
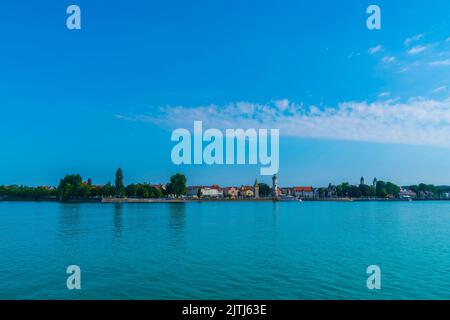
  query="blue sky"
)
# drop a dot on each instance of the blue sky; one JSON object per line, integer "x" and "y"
{"x": 348, "y": 101}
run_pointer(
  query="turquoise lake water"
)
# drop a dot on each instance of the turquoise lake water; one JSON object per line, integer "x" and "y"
{"x": 220, "y": 250}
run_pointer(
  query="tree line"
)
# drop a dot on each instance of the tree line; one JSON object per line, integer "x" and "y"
{"x": 72, "y": 187}
{"x": 380, "y": 189}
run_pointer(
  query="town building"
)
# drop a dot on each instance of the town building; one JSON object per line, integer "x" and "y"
{"x": 406, "y": 194}
{"x": 304, "y": 192}
{"x": 287, "y": 191}
{"x": 231, "y": 192}
{"x": 331, "y": 191}
{"x": 246, "y": 192}
{"x": 161, "y": 187}
{"x": 213, "y": 191}
{"x": 426, "y": 194}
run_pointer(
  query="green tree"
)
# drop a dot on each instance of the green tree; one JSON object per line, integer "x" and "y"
{"x": 423, "y": 187}
{"x": 177, "y": 185}
{"x": 323, "y": 192}
{"x": 392, "y": 189}
{"x": 381, "y": 191}
{"x": 108, "y": 190}
{"x": 95, "y": 191}
{"x": 415, "y": 189}
{"x": 70, "y": 187}
{"x": 23, "y": 192}
{"x": 84, "y": 191}
{"x": 373, "y": 191}
{"x": 343, "y": 189}
{"x": 131, "y": 190}
{"x": 120, "y": 189}
{"x": 354, "y": 192}
{"x": 141, "y": 191}
{"x": 156, "y": 192}
{"x": 264, "y": 190}
{"x": 365, "y": 190}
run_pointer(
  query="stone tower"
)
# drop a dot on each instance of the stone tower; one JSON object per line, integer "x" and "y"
{"x": 256, "y": 189}
{"x": 275, "y": 185}
{"x": 361, "y": 182}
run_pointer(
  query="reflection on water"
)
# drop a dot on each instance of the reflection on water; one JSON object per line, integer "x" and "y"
{"x": 177, "y": 218}
{"x": 69, "y": 220}
{"x": 117, "y": 218}
{"x": 275, "y": 211}
{"x": 176, "y": 232}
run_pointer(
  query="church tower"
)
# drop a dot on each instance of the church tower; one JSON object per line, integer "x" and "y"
{"x": 361, "y": 182}
{"x": 256, "y": 189}
{"x": 275, "y": 185}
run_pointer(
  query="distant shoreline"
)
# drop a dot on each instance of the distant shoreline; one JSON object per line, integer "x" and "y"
{"x": 165, "y": 200}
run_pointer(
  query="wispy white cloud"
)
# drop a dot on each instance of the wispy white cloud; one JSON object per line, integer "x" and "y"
{"x": 417, "y": 49}
{"x": 282, "y": 104}
{"x": 375, "y": 50}
{"x": 439, "y": 63}
{"x": 388, "y": 59}
{"x": 415, "y": 38}
{"x": 440, "y": 89}
{"x": 418, "y": 121}
{"x": 421, "y": 60}
{"x": 404, "y": 69}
